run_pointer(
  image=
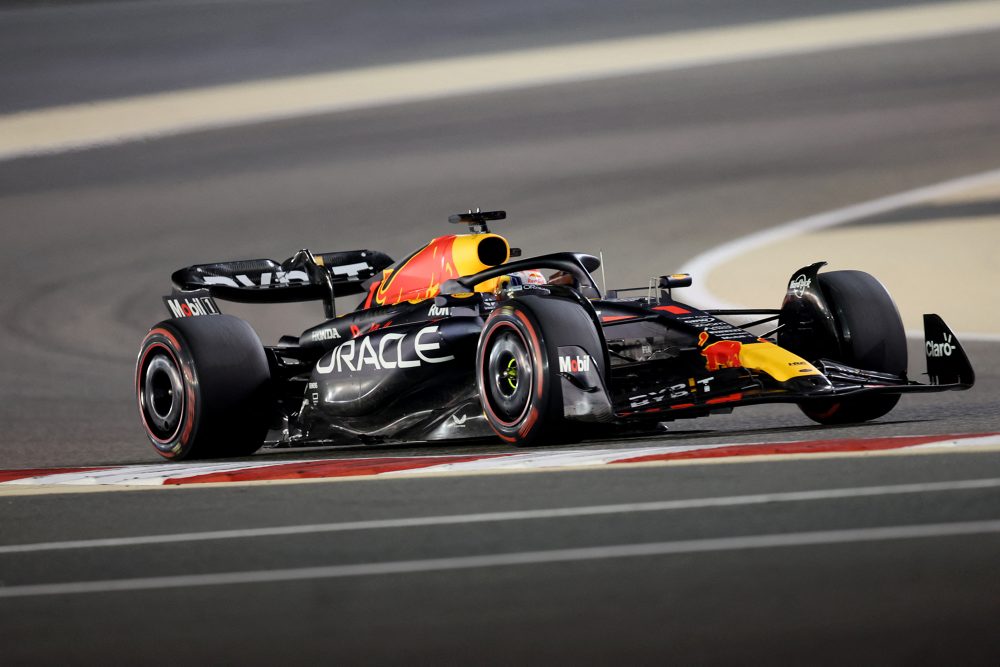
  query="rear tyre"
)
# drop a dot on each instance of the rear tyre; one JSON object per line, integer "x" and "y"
{"x": 871, "y": 337}
{"x": 517, "y": 380}
{"x": 203, "y": 388}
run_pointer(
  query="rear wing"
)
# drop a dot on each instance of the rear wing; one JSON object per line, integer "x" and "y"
{"x": 303, "y": 277}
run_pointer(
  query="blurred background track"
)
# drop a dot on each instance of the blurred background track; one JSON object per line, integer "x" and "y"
{"x": 60, "y": 52}
{"x": 100, "y": 122}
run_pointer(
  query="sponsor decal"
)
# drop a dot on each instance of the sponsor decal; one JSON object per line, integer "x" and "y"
{"x": 574, "y": 364}
{"x": 324, "y": 334}
{"x": 192, "y": 307}
{"x": 798, "y": 285}
{"x": 679, "y": 390}
{"x": 436, "y": 311}
{"x": 721, "y": 354}
{"x": 533, "y": 277}
{"x": 351, "y": 270}
{"x": 941, "y": 349}
{"x": 527, "y": 286}
{"x": 672, "y": 392}
{"x": 459, "y": 420}
{"x": 716, "y": 328}
{"x": 387, "y": 352}
{"x": 265, "y": 279}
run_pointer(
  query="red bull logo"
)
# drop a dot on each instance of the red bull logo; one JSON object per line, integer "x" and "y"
{"x": 721, "y": 354}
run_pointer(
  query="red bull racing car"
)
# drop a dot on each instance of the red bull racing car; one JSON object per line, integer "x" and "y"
{"x": 463, "y": 340}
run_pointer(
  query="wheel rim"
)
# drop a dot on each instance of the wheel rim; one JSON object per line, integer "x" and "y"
{"x": 162, "y": 396}
{"x": 509, "y": 371}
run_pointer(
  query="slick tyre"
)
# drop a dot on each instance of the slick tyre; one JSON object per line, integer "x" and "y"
{"x": 203, "y": 388}
{"x": 871, "y": 337}
{"x": 518, "y": 381}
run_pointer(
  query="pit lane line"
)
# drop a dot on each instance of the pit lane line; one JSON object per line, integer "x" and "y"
{"x": 491, "y": 517}
{"x": 87, "y": 125}
{"x": 767, "y": 541}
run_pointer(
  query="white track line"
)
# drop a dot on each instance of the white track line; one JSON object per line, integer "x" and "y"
{"x": 521, "y": 515}
{"x": 702, "y": 265}
{"x": 815, "y": 538}
{"x": 100, "y": 123}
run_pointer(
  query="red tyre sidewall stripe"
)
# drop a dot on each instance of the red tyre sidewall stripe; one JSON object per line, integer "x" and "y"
{"x": 138, "y": 381}
{"x": 529, "y": 422}
{"x": 542, "y": 372}
{"x": 173, "y": 349}
{"x": 536, "y": 350}
{"x": 529, "y": 417}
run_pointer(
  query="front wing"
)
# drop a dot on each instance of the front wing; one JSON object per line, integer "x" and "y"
{"x": 948, "y": 368}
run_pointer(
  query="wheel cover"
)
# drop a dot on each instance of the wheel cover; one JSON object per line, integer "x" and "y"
{"x": 161, "y": 396}
{"x": 508, "y": 374}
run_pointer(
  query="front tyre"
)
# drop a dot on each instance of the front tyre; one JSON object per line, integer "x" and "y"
{"x": 871, "y": 337}
{"x": 203, "y": 388}
{"x": 517, "y": 382}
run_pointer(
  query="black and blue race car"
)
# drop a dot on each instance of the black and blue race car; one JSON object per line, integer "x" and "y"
{"x": 465, "y": 339}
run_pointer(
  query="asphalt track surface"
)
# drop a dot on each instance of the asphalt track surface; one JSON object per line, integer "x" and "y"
{"x": 906, "y": 601}
{"x": 652, "y": 170}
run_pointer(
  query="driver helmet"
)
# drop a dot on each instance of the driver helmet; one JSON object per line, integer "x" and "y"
{"x": 529, "y": 277}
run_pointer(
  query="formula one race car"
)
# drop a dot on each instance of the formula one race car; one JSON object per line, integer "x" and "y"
{"x": 458, "y": 341}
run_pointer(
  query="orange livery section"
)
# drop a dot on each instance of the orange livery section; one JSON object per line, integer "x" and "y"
{"x": 419, "y": 276}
